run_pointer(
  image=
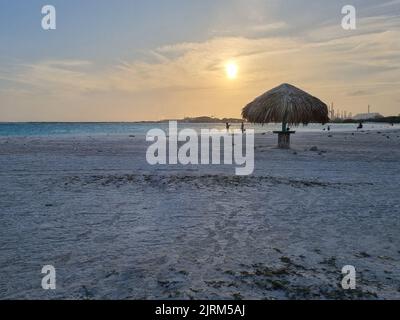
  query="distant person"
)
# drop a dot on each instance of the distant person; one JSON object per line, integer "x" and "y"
{"x": 360, "y": 126}
{"x": 329, "y": 128}
{"x": 242, "y": 127}
{"x": 228, "y": 126}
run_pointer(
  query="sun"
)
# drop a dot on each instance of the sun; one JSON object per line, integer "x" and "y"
{"x": 231, "y": 70}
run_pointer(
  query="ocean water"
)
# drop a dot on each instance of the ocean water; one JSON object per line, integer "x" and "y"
{"x": 89, "y": 129}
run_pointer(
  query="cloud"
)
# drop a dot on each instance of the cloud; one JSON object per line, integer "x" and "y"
{"x": 360, "y": 93}
{"x": 259, "y": 30}
{"x": 330, "y": 62}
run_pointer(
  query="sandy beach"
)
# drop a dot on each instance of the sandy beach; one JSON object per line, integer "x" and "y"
{"x": 117, "y": 228}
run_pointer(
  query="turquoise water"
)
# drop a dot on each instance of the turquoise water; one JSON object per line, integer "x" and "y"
{"x": 85, "y": 129}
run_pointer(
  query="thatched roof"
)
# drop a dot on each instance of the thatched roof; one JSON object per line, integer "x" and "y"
{"x": 286, "y": 103}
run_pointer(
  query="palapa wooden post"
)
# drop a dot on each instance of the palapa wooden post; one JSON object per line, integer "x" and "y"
{"x": 284, "y": 139}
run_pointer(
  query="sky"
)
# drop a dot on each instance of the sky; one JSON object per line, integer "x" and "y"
{"x": 131, "y": 60}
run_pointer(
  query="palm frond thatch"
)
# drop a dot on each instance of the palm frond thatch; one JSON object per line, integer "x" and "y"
{"x": 286, "y": 103}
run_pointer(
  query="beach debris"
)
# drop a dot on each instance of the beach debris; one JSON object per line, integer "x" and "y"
{"x": 363, "y": 255}
{"x": 329, "y": 261}
{"x": 271, "y": 279}
{"x": 237, "y": 296}
{"x": 169, "y": 181}
{"x": 85, "y": 293}
{"x": 314, "y": 149}
{"x": 386, "y": 258}
{"x": 286, "y": 260}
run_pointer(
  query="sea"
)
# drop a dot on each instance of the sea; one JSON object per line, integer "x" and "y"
{"x": 23, "y": 129}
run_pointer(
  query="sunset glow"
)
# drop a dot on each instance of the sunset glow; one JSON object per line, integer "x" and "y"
{"x": 149, "y": 65}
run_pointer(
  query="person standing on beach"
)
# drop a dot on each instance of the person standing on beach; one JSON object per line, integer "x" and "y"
{"x": 228, "y": 126}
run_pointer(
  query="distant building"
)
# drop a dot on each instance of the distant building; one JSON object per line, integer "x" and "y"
{"x": 367, "y": 116}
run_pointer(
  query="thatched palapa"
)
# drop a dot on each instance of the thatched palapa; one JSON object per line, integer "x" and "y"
{"x": 289, "y": 105}
{"x": 286, "y": 104}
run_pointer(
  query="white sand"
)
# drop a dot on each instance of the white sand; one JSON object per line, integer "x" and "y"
{"x": 114, "y": 227}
